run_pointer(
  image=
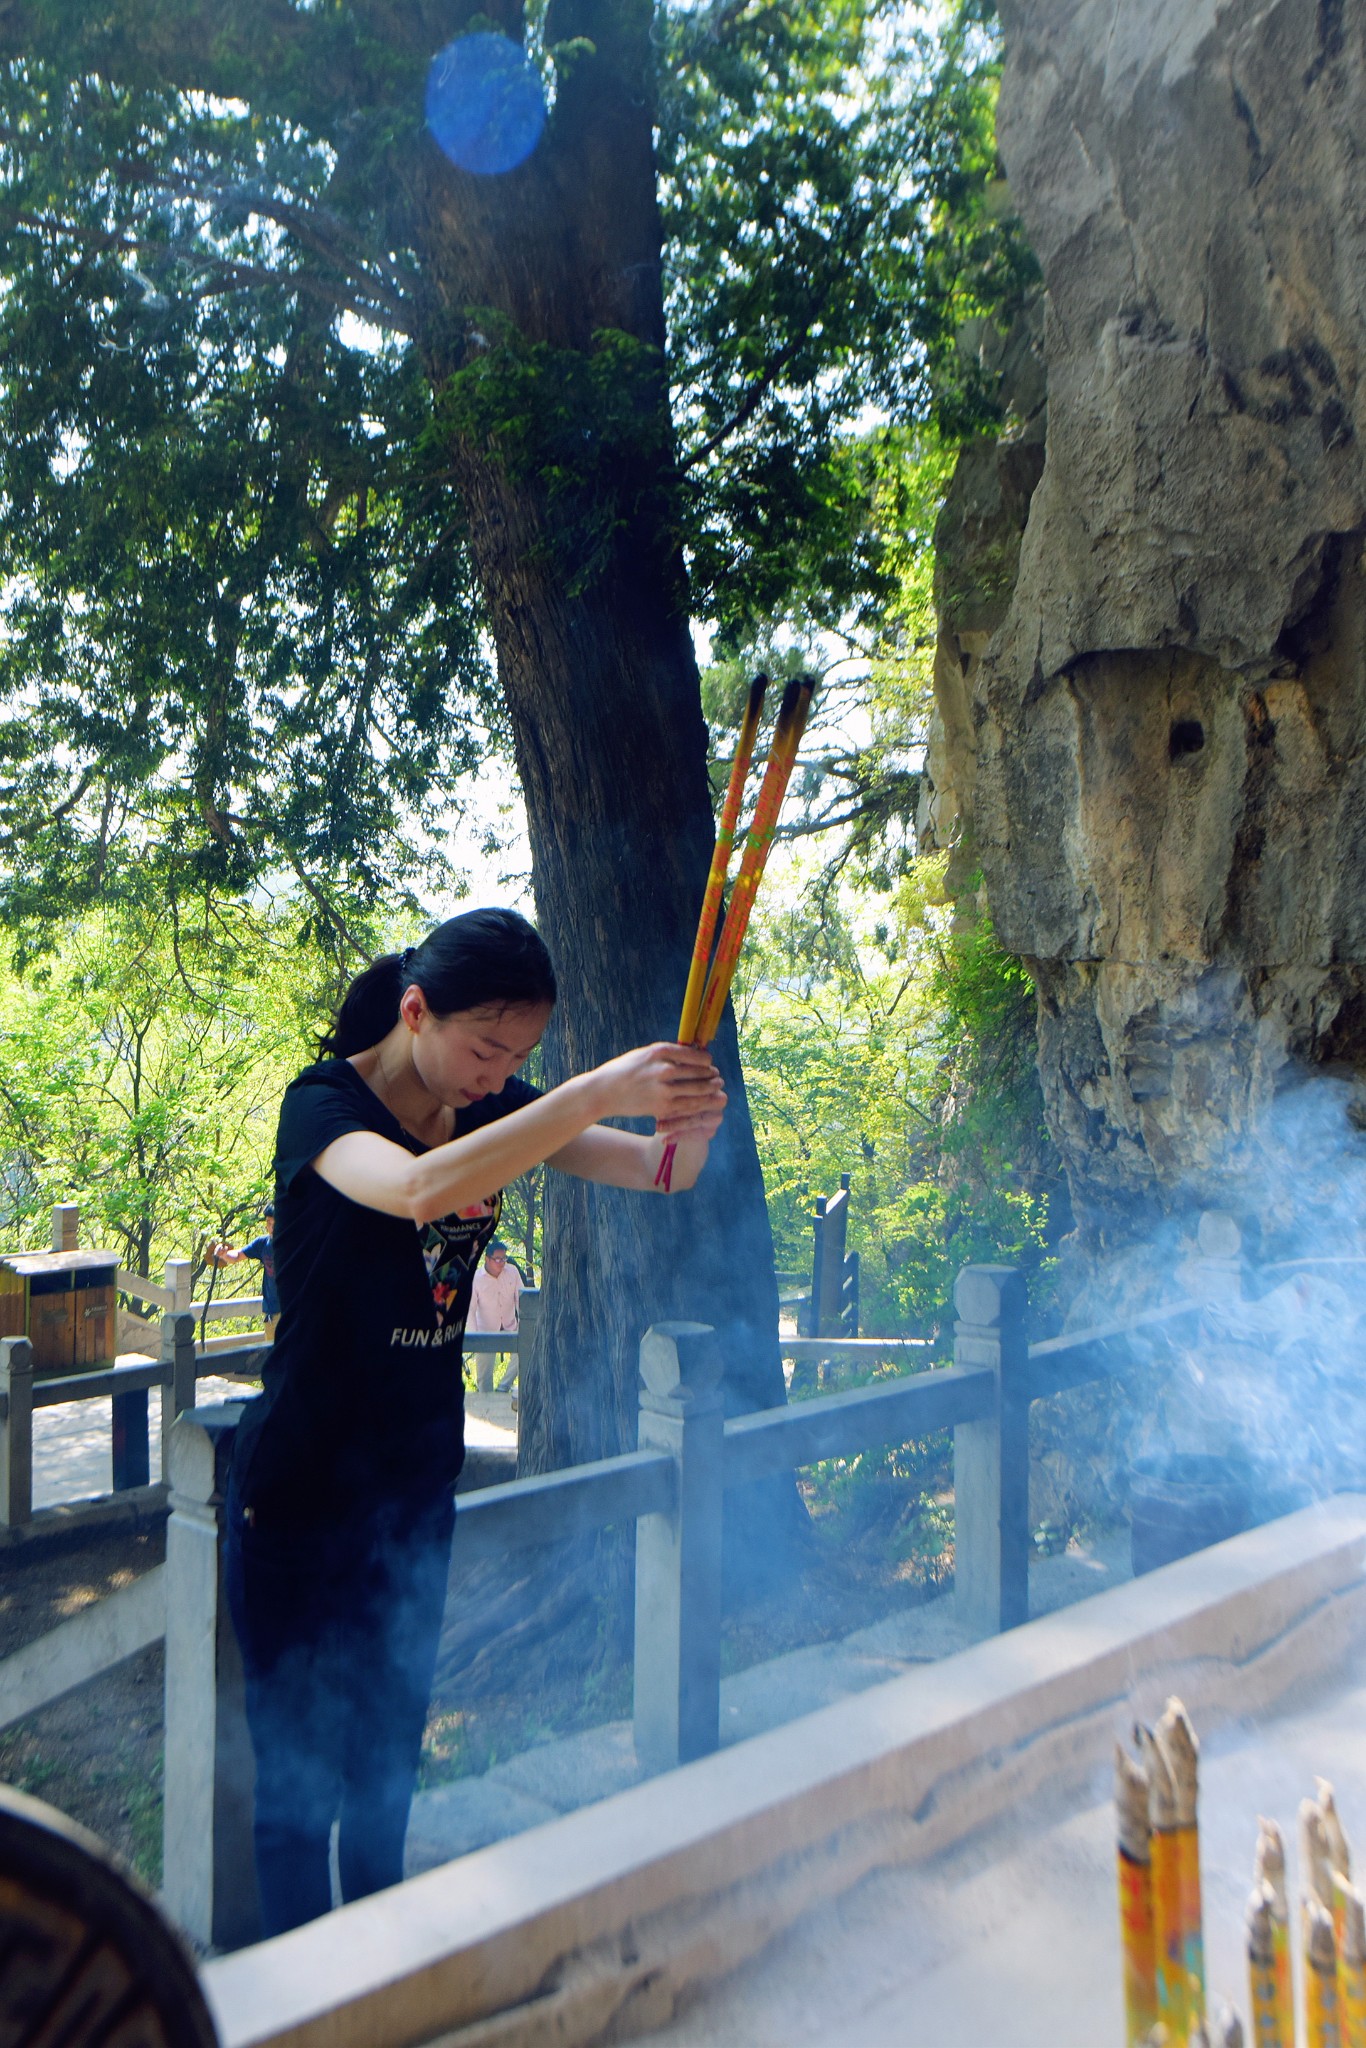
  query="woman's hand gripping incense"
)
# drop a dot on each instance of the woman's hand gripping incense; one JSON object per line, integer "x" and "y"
{"x": 679, "y": 1086}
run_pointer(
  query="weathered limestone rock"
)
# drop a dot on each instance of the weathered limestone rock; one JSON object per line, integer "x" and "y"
{"x": 1154, "y": 745}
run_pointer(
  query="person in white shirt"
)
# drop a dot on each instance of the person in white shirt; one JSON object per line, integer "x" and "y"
{"x": 494, "y": 1305}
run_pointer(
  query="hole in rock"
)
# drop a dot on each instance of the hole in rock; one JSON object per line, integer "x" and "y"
{"x": 1187, "y": 737}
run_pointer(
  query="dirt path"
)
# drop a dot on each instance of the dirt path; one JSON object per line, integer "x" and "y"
{"x": 96, "y": 1754}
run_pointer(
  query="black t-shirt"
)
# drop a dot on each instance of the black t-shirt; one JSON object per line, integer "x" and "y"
{"x": 364, "y": 1398}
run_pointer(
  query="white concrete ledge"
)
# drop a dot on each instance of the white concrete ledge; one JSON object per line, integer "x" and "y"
{"x": 593, "y": 1926}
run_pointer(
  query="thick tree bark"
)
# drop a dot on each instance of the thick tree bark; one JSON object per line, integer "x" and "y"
{"x": 611, "y": 748}
{"x": 602, "y": 689}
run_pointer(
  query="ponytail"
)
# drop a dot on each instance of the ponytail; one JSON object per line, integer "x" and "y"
{"x": 483, "y": 959}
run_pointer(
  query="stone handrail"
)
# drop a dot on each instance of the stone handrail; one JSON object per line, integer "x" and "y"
{"x": 673, "y": 1487}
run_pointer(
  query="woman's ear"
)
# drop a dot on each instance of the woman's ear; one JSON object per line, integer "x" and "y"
{"x": 412, "y": 1006}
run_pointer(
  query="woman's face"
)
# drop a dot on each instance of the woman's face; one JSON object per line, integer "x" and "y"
{"x": 472, "y": 1053}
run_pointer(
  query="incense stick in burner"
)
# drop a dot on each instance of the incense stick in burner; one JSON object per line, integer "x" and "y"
{"x": 1134, "y": 1855}
{"x": 1352, "y": 1965}
{"x": 1320, "y": 1978}
{"x": 1270, "y": 1874}
{"x": 1176, "y": 1737}
{"x": 1173, "y": 1989}
{"x": 1271, "y": 2026}
{"x": 1339, "y": 1868}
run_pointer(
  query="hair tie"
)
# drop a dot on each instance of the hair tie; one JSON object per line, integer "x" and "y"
{"x": 405, "y": 959}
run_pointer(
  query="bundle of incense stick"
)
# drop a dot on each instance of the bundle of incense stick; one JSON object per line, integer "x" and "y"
{"x": 1269, "y": 1884}
{"x": 1332, "y": 1936}
{"x": 1170, "y": 1761}
{"x": 1161, "y": 1921}
{"x": 1134, "y": 1848}
{"x": 710, "y": 975}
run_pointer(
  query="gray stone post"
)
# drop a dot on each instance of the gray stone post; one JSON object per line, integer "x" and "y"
{"x": 678, "y": 1556}
{"x": 178, "y": 1388}
{"x": 16, "y": 1431}
{"x": 991, "y": 1457}
{"x": 66, "y": 1226}
{"x": 528, "y": 1326}
{"x": 179, "y": 1278}
{"x": 209, "y": 1871}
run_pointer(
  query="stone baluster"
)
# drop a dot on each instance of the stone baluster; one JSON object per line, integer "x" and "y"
{"x": 678, "y": 1555}
{"x": 66, "y": 1226}
{"x": 991, "y": 1457}
{"x": 16, "y": 1431}
{"x": 209, "y": 1871}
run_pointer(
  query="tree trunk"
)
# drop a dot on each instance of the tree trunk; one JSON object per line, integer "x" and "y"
{"x": 597, "y": 666}
{"x": 620, "y": 818}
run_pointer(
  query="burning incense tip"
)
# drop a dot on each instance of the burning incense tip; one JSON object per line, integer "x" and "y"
{"x": 1339, "y": 1855}
{"x": 1270, "y": 1863}
{"x": 1176, "y": 1737}
{"x": 1315, "y": 1861}
{"x": 1161, "y": 1790}
{"x": 1353, "y": 1921}
{"x": 1136, "y": 1924}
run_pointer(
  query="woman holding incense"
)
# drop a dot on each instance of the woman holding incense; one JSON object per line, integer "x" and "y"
{"x": 390, "y": 1157}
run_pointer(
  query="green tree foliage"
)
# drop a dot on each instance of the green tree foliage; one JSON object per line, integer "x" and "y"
{"x": 235, "y": 598}
{"x": 242, "y": 630}
{"x": 881, "y": 1042}
{"x": 833, "y": 206}
{"x": 144, "y": 1063}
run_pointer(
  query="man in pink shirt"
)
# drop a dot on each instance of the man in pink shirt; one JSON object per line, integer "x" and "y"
{"x": 493, "y": 1304}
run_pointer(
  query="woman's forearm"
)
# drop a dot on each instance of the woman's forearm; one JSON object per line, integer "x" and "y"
{"x": 676, "y": 1085}
{"x": 382, "y": 1175}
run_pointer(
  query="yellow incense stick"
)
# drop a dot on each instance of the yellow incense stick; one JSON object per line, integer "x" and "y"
{"x": 1134, "y": 1851}
{"x": 720, "y": 862}
{"x": 1339, "y": 1867}
{"x": 1269, "y": 2029}
{"x": 1173, "y": 1987}
{"x": 782, "y": 755}
{"x": 1179, "y": 1746}
{"x": 1352, "y": 1966}
{"x": 1320, "y": 1978}
{"x": 1270, "y": 1874}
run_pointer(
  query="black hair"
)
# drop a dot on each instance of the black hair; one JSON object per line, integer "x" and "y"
{"x": 483, "y": 959}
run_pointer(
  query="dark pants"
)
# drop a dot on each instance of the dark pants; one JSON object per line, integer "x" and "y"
{"x": 338, "y": 1628}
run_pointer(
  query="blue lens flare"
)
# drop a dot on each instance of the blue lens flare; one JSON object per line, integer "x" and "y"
{"x": 485, "y": 106}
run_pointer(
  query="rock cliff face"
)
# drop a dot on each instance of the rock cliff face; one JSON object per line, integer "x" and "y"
{"x": 1152, "y": 668}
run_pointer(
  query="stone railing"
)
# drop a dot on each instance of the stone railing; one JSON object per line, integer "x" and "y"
{"x": 673, "y": 1486}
